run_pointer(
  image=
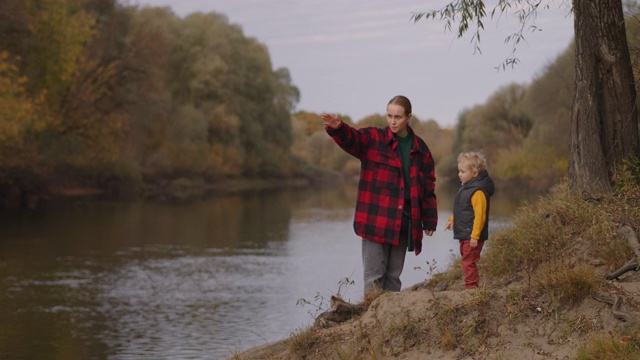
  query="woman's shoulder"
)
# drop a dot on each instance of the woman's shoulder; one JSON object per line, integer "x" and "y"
{"x": 422, "y": 145}
{"x": 376, "y": 132}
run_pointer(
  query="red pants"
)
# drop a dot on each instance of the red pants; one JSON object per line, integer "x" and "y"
{"x": 470, "y": 256}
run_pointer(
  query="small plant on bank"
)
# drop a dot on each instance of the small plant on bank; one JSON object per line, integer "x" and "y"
{"x": 321, "y": 304}
{"x": 453, "y": 274}
{"x": 450, "y": 275}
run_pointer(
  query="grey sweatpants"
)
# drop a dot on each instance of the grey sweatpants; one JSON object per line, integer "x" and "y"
{"x": 383, "y": 264}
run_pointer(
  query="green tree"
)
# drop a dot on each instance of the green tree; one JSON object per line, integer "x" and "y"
{"x": 439, "y": 140}
{"x": 376, "y": 120}
{"x": 548, "y": 102}
{"x": 57, "y": 31}
{"x": 216, "y": 77}
{"x": 500, "y": 122}
{"x": 44, "y": 41}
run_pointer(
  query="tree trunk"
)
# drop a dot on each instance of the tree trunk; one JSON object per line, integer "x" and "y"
{"x": 604, "y": 123}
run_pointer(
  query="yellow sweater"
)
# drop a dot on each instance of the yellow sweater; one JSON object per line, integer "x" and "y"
{"x": 479, "y": 204}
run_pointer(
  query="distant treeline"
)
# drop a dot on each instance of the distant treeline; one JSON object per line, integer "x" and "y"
{"x": 102, "y": 95}
{"x": 98, "y": 94}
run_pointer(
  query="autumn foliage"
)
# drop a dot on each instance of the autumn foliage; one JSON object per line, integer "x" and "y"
{"x": 109, "y": 96}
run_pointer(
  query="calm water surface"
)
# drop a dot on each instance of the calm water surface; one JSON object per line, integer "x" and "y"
{"x": 98, "y": 280}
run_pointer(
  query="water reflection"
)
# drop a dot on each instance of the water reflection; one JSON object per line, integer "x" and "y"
{"x": 197, "y": 280}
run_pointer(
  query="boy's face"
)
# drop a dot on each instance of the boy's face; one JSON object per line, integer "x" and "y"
{"x": 466, "y": 172}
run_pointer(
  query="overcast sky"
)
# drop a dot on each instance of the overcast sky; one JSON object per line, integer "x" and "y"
{"x": 352, "y": 56}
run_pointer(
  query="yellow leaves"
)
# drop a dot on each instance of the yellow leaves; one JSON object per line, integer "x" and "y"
{"x": 524, "y": 162}
{"x": 60, "y": 30}
{"x": 17, "y": 111}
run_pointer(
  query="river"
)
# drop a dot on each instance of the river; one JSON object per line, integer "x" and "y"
{"x": 198, "y": 280}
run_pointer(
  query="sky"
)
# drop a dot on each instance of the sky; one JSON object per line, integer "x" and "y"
{"x": 352, "y": 56}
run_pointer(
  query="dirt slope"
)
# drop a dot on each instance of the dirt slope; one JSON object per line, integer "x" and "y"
{"x": 498, "y": 321}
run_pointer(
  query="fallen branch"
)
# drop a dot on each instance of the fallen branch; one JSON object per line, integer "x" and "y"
{"x": 341, "y": 312}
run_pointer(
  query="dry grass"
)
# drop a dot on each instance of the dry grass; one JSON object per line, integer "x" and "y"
{"x": 551, "y": 228}
{"x": 372, "y": 295}
{"x": 565, "y": 284}
{"x": 303, "y": 340}
{"x": 451, "y": 275}
{"x": 403, "y": 335}
{"x": 465, "y": 324}
{"x": 606, "y": 347}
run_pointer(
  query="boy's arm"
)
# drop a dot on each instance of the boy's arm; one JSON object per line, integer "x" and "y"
{"x": 479, "y": 204}
{"x": 449, "y": 225}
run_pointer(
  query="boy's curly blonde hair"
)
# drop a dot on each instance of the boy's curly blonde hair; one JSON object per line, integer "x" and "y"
{"x": 475, "y": 158}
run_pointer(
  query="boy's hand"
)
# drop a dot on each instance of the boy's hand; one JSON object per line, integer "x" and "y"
{"x": 449, "y": 225}
{"x": 473, "y": 243}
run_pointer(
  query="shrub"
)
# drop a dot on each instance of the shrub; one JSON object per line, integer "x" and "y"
{"x": 545, "y": 231}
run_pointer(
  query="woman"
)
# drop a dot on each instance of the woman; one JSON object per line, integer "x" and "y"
{"x": 396, "y": 198}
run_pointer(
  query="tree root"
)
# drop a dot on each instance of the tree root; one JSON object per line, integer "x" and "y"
{"x": 633, "y": 264}
{"x": 341, "y": 312}
{"x": 616, "y": 304}
{"x": 629, "y": 266}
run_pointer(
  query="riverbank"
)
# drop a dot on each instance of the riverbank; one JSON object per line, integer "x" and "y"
{"x": 557, "y": 285}
{"x": 14, "y": 198}
{"x": 488, "y": 323}
{"x": 184, "y": 189}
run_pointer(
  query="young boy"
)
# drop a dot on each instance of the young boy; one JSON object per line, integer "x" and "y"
{"x": 470, "y": 219}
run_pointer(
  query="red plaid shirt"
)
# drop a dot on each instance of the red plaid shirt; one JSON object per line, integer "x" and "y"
{"x": 378, "y": 215}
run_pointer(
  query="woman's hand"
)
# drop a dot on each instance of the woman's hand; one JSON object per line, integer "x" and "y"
{"x": 331, "y": 121}
{"x": 428, "y": 232}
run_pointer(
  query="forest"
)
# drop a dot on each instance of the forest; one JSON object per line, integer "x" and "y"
{"x": 130, "y": 102}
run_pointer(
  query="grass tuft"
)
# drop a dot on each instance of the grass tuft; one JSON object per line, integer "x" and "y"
{"x": 464, "y": 322}
{"x": 302, "y": 340}
{"x": 566, "y": 284}
{"x": 605, "y": 347}
{"x": 371, "y": 296}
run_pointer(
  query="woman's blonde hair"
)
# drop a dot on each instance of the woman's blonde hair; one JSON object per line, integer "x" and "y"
{"x": 475, "y": 158}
